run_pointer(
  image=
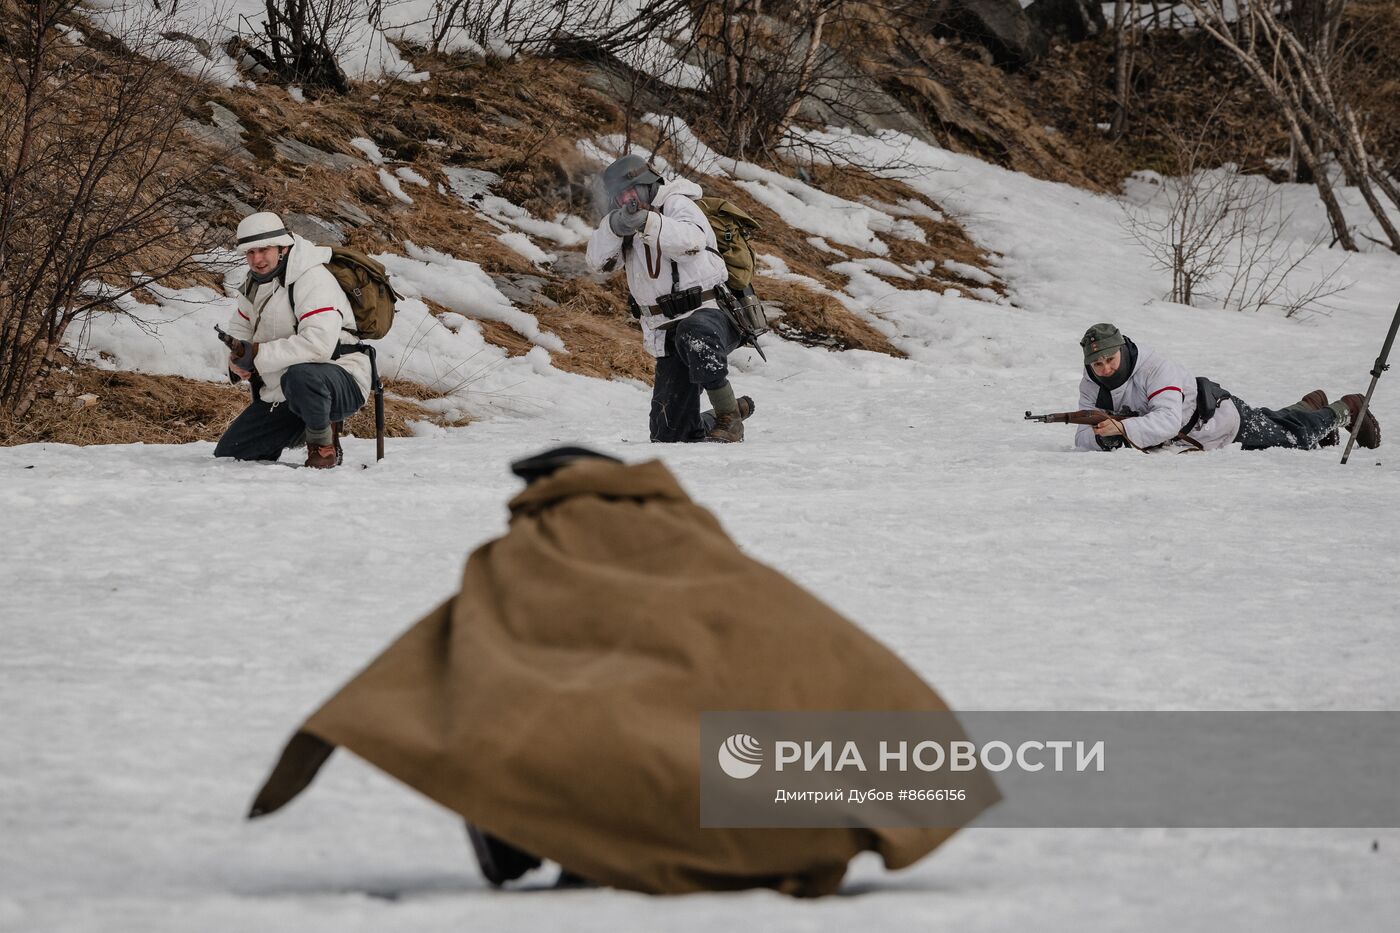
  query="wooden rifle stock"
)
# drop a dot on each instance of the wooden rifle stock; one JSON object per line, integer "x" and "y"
{"x": 1088, "y": 416}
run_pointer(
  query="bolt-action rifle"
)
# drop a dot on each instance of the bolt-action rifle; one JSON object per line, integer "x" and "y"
{"x": 1089, "y": 416}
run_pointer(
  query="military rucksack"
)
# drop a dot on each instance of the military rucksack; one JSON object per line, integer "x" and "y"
{"x": 732, "y": 227}
{"x": 365, "y": 282}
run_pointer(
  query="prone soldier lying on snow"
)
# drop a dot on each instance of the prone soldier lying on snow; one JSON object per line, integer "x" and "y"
{"x": 1131, "y": 395}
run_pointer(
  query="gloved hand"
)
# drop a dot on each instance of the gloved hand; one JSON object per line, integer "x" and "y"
{"x": 242, "y": 357}
{"x": 240, "y": 352}
{"x": 627, "y": 221}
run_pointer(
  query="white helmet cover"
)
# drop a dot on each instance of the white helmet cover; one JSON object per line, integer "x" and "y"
{"x": 262, "y": 229}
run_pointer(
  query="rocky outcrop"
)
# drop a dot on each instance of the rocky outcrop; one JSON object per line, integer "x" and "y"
{"x": 1075, "y": 20}
{"x": 999, "y": 25}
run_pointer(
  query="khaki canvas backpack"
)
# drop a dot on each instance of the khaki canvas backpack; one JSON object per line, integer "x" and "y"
{"x": 732, "y": 228}
{"x": 365, "y": 282}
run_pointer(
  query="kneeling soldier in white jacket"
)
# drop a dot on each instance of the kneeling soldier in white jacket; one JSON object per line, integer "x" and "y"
{"x": 304, "y": 383}
{"x": 673, "y": 266}
{"x": 1168, "y": 405}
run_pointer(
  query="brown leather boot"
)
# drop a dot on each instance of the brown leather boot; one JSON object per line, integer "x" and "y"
{"x": 1316, "y": 400}
{"x": 1368, "y": 433}
{"x": 728, "y": 429}
{"x": 746, "y": 407}
{"x": 326, "y": 457}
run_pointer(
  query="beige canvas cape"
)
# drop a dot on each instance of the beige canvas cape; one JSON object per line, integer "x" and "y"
{"x": 554, "y": 701}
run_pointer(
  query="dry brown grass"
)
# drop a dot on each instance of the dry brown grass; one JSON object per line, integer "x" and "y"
{"x": 135, "y": 408}
{"x": 129, "y": 408}
{"x": 968, "y": 104}
{"x": 1072, "y": 90}
{"x": 817, "y": 319}
{"x": 593, "y": 322}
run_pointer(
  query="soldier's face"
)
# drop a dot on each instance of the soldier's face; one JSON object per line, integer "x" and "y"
{"x": 630, "y": 200}
{"x": 263, "y": 259}
{"x": 1108, "y": 365}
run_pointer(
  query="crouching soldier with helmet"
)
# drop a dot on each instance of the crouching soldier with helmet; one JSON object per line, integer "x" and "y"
{"x": 669, "y": 252}
{"x": 288, "y": 336}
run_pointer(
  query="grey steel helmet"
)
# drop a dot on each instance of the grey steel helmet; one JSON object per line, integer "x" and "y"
{"x": 631, "y": 171}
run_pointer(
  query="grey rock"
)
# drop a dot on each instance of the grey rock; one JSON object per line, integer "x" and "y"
{"x": 574, "y": 265}
{"x": 223, "y": 131}
{"x": 842, "y": 96}
{"x": 522, "y": 290}
{"x": 1075, "y": 20}
{"x": 352, "y": 213}
{"x": 242, "y": 207}
{"x": 1001, "y": 26}
{"x": 315, "y": 229}
{"x": 470, "y": 184}
{"x": 302, "y": 154}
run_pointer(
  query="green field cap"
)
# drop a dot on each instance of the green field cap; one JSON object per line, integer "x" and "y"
{"x": 1100, "y": 342}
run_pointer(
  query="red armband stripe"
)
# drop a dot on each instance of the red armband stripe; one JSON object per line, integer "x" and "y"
{"x": 245, "y": 317}
{"x": 1166, "y": 389}
{"x": 319, "y": 310}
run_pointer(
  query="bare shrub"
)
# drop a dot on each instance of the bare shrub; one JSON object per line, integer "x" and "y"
{"x": 1222, "y": 237}
{"x": 548, "y": 27}
{"x": 1286, "y": 46}
{"x": 98, "y": 189}
{"x": 741, "y": 71}
{"x": 299, "y": 40}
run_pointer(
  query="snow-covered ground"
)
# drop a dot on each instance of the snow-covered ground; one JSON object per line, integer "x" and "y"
{"x": 168, "y": 619}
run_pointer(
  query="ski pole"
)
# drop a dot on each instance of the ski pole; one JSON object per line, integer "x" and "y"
{"x": 1380, "y": 367}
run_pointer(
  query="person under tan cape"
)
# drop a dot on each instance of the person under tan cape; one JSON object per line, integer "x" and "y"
{"x": 554, "y": 701}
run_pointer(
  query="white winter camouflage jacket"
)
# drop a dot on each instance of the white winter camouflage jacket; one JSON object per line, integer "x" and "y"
{"x": 1165, "y": 393}
{"x": 676, "y": 231}
{"x": 309, "y": 334}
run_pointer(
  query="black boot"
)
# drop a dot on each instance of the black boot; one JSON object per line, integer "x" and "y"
{"x": 499, "y": 861}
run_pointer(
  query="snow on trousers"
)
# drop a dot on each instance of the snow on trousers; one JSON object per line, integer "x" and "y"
{"x": 1262, "y": 428}
{"x": 316, "y": 393}
{"x": 697, "y": 351}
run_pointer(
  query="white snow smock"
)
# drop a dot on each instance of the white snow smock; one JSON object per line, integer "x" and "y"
{"x": 676, "y": 231}
{"x": 1165, "y": 393}
{"x": 307, "y": 333}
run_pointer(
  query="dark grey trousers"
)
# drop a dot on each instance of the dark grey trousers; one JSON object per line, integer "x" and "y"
{"x": 1262, "y": 428}
{"x": 697, "y": 357}
{"x": 316, "y": 393}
